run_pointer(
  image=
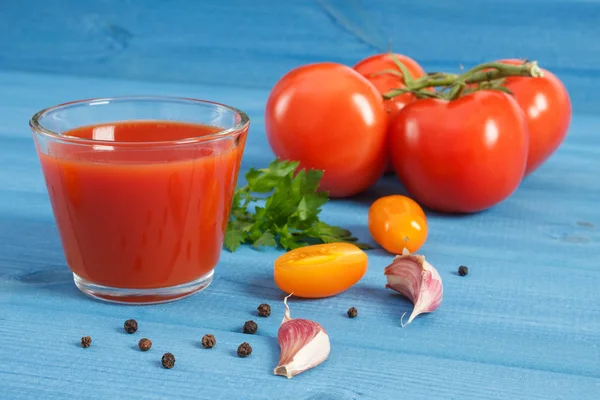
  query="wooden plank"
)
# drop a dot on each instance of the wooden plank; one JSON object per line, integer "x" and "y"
{"x": 252, "y": 44}
{"x": 525, "y": 322}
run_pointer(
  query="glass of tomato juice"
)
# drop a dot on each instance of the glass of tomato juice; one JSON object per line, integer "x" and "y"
{"x": 141, "y": 190}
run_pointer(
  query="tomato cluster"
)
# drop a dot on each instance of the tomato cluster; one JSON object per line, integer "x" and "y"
{"x": 464, "y": 154}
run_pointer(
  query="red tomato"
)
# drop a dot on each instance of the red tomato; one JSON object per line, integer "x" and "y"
{"x": 386, "y": 82}
{"x": 464, "y": 155}
{"x": 548, "y": 111}
{"x": 329, "y": 117}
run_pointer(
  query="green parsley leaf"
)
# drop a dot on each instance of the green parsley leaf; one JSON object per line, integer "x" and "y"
{"x": 267, "y": 239}
{"x": 307, "y": 182}
{"x": 233, "y": 238}
{"x": 279, "y": 207}
{"x": 267, "y": 179}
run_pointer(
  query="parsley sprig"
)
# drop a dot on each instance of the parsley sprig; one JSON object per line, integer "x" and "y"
{"x": 286, "y": 207}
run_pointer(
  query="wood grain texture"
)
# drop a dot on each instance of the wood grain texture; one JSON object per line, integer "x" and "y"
{"x": 255, "y": 42}
{"x": 525, "y": 322}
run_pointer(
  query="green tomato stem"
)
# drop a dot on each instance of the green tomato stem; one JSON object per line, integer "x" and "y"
{"x": 482, "y": 73}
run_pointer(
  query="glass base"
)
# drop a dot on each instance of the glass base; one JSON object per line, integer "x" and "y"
{"x": 142, "y": 296}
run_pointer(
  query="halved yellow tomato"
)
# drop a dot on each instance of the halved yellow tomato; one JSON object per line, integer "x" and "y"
{"x": 320, "y": 270}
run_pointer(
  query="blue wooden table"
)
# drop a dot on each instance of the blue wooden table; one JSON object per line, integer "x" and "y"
{"x": 525, "y": 322}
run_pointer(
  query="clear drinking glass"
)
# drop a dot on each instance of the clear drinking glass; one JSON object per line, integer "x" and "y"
{"x": 141, "y": 190}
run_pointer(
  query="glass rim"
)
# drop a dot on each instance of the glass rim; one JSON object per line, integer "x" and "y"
{"x": 34, "y": 122}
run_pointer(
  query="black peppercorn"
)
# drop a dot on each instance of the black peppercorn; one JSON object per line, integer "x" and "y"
{"x": 131, "y": 326}
{"x": 145, "y": 344}
{"x": 168, "y": 360}
{"x": 208, "y": 341}
{"x": 264, "y": 310}
{"x": 244, "y": 350}
{"x": 250, "y": 327}
{"x": 462, "y": 270}
{"x": 352, "y": 312}
{"x": 86, "y": 341}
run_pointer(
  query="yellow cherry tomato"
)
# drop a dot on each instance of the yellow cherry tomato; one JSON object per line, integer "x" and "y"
{"x": 397, "y": 222}
{"x": 320, "y": 270}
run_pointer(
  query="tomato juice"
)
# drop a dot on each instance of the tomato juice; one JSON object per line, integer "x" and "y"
{"x": 149, "y": 211}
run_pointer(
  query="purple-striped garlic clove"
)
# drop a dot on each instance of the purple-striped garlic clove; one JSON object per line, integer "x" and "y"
{"x": 416, "y": 279}
{"x": 304, "y": 345}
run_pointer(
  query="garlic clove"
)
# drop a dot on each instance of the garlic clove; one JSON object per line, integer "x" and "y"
{"x": 304, "y": 345}
{"x": 413, "y": 277}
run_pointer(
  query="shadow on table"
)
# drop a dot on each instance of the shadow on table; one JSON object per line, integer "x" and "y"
{"x": 32, "y": 255}
{"x": 55, "y": 278}
{"x": 389, "y": 185}
{"x": 388, "y": 303}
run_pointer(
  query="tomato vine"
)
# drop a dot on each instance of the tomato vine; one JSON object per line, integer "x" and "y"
{"x": 488, "y": 75}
